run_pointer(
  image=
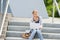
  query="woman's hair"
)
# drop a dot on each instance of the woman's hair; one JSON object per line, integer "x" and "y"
{"x": 34, "y": 11}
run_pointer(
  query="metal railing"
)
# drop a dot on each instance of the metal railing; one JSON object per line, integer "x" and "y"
{"x": 55, "y": 4}
{"x": 57, "y": 7}
{"x": 4, "y": 17}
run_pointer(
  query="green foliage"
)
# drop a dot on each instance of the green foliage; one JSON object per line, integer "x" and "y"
{"x": 49, "y": 7}
{"x": 56, "y": 14}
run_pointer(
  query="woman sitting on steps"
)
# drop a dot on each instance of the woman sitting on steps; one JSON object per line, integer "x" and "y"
{"x": 36, "y": 25}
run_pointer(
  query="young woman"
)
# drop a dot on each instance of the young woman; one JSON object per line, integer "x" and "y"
{"x": 36, "y": 25}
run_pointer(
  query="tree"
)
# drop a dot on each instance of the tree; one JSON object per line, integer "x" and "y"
{"x": 49, "y": 7}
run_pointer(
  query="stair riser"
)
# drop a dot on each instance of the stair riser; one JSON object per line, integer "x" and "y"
{"x": 27, "y": 39}
{"x": 51, "y": 31}
{"x": 47, "y": 36}
{"x": 27, "y": 24}
{"x": 27, "y": 28}
{"x": 18, "y": 28}
{"x": 19, "y": 23}
{"x": 15, "y": 39}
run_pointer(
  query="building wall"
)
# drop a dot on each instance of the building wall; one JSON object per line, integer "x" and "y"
{"x": 24, "y": 8}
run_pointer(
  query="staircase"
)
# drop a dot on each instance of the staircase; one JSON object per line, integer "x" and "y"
{"x": 18, "y": 26}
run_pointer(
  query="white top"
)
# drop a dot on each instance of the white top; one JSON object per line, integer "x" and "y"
{"x": 34, "y": 25}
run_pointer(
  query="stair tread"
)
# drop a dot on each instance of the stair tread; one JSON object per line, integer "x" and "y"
{"x": 26, "y": 39}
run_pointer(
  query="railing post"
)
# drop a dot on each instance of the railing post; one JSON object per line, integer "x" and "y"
{"x": 53, "y": 11}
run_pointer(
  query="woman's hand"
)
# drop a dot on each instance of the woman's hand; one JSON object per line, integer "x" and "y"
{"x": 41, "y": 27}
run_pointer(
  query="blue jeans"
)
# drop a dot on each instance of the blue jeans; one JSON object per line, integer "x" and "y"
{"x": 33, "y": 34}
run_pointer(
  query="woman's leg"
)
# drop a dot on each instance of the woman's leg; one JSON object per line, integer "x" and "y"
{"x": 32, "y": 34}
{"x": 39, "y": 34}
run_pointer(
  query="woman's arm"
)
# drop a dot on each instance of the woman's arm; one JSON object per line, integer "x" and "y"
{"x": 41, "y": 27}
{"x": 31, "y": 24}
{"x": 41, "y": 24}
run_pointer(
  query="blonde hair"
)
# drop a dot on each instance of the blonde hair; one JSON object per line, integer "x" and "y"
{"x": 34, "y": 11}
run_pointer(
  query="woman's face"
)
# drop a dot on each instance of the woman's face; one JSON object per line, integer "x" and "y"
{"x": 35, "y": 14}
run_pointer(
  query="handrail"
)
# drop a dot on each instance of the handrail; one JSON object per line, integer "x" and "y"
{"x": 4, "y": 17}
{"x": 55, "y": 4}
{"x": 57, "y": 7}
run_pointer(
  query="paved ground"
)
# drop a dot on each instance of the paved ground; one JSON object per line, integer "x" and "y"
{"x": 56, "y": 20}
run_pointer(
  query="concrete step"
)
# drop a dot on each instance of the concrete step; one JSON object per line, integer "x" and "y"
{"x": 24, "y": 28}
{"x": 18, "y": 28}
{"x": 16, "y": 19}
{"x": 27, "y": 24}
{"x": 18, "y": 38}
{"x": 45, "y": 35}
{"x": 19, "y": 23}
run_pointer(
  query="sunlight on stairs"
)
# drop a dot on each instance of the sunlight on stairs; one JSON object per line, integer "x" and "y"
{"x": 16, "y": 28}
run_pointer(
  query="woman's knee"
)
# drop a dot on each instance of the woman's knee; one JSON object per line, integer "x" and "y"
{"x": 32, "y": 34}
{"x": 34, "y": 31}
{"x": 39, "y": 31}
